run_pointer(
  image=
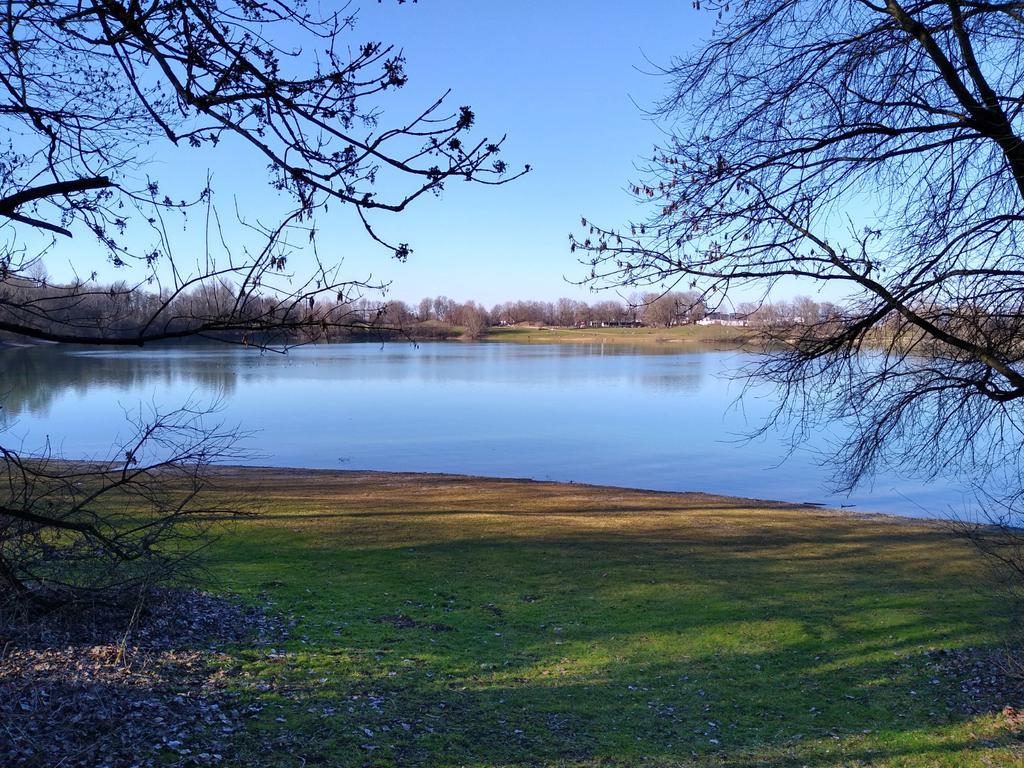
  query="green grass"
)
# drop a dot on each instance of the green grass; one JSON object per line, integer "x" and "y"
{"x": 680, "y": 335}
{"x": 566, "y": 625}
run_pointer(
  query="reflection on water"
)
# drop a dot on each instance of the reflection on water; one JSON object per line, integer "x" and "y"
{"x": 602, "y": 414}
{"x": 32, "y": 378}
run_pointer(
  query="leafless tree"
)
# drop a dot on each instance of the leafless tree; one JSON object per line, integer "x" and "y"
{"x": 100, "y": 529}
{"x": 659, "y": 309}
{"x": 473, "y": 318}
{"x": 87, "y": 91}
{"x": 609, "y": 311}
{"x": 425, "y": 310}
{"x": 566, "y": 311}
{"x": 872, "y": 147}
{"x": 671, "y": 308}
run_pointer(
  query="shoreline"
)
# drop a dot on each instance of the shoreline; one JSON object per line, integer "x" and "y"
{"x": 748, "y": 485}
{"x": 711, "y": 335}
{"x": 693, "y": 499}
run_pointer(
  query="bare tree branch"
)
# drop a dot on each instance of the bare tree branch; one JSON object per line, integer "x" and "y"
{"x": 873, "y": 150}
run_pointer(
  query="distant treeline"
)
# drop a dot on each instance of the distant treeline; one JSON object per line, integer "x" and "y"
{"x": 36, "y": 309}
{"x": 656, "y": 310}
{"x": 120, "y": 310}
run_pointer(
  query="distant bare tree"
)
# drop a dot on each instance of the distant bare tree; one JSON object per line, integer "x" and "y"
{"x": 692, "y": 307}
{"x": 565, "y": 311}
{"x": 873, "y": 147}
{"x": 609, "y": 312}
{"x": 805, "y": 310}
{"x": 474, "y": 320}
{"x": 398, "y": 314}
{"x": 659, "y": 310}
{"x": 425, "y": 310}
{"x": 671, "y": 308}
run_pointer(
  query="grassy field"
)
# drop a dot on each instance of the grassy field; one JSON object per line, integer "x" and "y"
{"x": 681, "y": 335}
{"x": 459, "y": 621}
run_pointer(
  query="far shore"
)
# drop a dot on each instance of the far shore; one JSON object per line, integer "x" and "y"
{"x": 682, "y": 336}
{"x": 718, "y": 335}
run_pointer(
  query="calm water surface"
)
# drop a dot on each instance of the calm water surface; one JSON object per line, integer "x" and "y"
{"x": 606, "y": 415}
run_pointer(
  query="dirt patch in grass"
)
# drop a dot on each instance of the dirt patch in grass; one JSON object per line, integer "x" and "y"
{"x": 132, "y": 686}
{"x": 401, "y": 621}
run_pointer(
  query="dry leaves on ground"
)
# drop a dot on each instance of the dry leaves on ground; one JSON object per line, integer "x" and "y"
{"x": 77, "y": 689}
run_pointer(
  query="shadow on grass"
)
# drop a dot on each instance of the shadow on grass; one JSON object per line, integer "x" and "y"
{"x": 671, "y": 644}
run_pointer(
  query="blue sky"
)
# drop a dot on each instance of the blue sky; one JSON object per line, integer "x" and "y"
{"x": 566, "y": 82}
{"x": 563, "y": 81}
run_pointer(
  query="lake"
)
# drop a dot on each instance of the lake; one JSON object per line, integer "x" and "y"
{"x": 608, "y": 415}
